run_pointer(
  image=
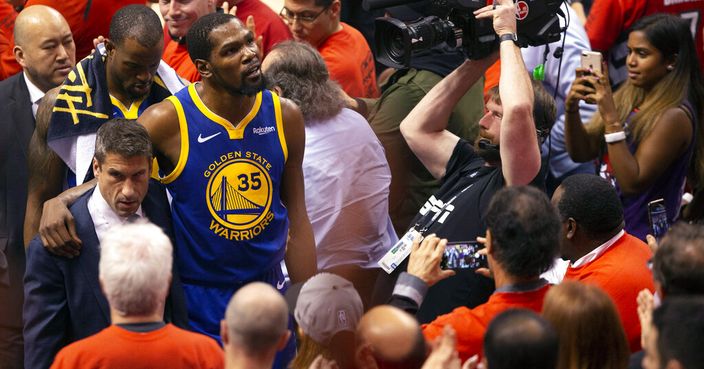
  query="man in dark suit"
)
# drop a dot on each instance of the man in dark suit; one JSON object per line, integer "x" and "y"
{"x": 63, "y": 299}
{"x": 45, "y": 51}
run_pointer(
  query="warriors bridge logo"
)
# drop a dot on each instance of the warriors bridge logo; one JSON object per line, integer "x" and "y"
{"x": 239, "y": 195}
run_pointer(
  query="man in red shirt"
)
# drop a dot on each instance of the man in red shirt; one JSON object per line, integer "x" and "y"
{"x": 88, "y": 19}
{"x": 599, "y": 251}
{"x": 135, "y": 274}
{"x": 521, "y": 240}
{"x": 344, "y": 49}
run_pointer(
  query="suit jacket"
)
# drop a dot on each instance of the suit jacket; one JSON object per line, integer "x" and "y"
{"x": 63, "y": 300}
{"x": 16, "y": 127}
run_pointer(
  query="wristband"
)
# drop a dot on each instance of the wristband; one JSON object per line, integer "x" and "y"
{"x": 615, "y": 137}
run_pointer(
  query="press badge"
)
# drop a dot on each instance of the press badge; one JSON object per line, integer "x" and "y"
{"x": 399, "y": 252}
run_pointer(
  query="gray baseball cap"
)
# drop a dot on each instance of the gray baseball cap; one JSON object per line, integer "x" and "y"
{"x": 326, "y": 305}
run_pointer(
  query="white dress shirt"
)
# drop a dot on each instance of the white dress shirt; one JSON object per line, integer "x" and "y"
{"x": 559, "y": 267}
{"x": 104, "y": 217}
{"x": 35, "y": 94}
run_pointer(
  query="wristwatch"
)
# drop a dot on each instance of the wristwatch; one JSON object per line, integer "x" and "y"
{"x": 509, "y": 37}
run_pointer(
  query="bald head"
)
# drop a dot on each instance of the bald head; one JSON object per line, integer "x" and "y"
{"x": 393, "y": 337}
{"x": 256, "y": 318}
{"x": 33, "y": 19}
{"x": 44, "y": 46}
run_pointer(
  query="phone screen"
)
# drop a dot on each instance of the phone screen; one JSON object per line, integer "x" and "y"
{"x": 657, "y": 214}
{"x": 463, "y": 255}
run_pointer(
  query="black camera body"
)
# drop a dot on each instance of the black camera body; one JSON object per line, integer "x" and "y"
{"x": 451, "y": 23}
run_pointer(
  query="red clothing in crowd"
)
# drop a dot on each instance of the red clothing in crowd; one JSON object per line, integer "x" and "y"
{"x": 167, "y": 347}
{"x": 692, "y": 11}
{"x": 621, "y": 271}
{"x": 350, "y": 62}
{"x": 176, "y": 56}
{"x": 86, "y": 24}
{"x": 609, "y": 18}
{"x": 7, "y": 25}
{"x": 267, "y": 23}
{"x": 471, "y": 324}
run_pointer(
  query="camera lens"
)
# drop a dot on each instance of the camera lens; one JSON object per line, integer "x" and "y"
{"x": 397, "y": 41}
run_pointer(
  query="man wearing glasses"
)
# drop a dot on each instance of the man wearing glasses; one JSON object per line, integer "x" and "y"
{"x": 344, "y": 49}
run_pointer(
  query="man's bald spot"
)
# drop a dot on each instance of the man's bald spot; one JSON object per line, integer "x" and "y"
{"x": 393, "y": 334}
{"x": 256, "y": 316}
{"x": 35, "y": 16}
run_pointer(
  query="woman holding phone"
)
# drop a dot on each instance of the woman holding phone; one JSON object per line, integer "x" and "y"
{"x": 648, "y": 132}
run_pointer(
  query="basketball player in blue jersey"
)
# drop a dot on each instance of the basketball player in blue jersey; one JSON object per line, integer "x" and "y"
{"x": 126, "y": 80}
{"x": 230, "y": 154}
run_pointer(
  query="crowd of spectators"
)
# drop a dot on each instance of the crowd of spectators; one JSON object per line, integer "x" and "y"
{"x": 223, "y": 184}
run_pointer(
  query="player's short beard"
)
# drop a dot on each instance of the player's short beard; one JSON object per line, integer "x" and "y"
{"x": 252, "y": 89}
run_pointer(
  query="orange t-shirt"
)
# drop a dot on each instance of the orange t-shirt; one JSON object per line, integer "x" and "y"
{"x": 176, "y": 56}
{"x": 86, "y": 24}
{"x": 167, "y": 347}
{"x": 621, "y": 271}
{"x": 471, "y": 324}
{"x": 350, "y": 62}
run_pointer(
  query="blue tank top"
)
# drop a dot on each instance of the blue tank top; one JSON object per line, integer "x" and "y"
{"x": 229, "y": 223}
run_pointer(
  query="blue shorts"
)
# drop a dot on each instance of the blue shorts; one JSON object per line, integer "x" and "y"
{"x": 207, "y": 305}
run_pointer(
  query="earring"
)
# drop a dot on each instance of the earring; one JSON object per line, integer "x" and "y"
{"x": 670, "y": 67}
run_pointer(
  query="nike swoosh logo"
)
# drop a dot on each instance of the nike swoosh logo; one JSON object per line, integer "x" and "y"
{"x": 280, "y": 285}
{"x": 202, "y": 139}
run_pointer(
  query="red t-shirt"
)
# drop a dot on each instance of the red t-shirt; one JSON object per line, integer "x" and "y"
{"x": 692, "y": 11}
{"x": 608, "y": 19}
{"x": 350, "y": 62}
{"x": 116, "y": 348}
{"x": 86, "y": 24}
{"x": 471, "y": 324}
{"x": 176, "y": 56}
{"x": 7, "y": 25}
{"x": 621, "y": 271}
{"x": 267, "y": 23}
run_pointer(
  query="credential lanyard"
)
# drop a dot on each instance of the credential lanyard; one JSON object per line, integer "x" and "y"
{"x": 425, "y": 226}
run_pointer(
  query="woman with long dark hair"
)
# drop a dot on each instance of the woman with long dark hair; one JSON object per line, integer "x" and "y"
{"x": 648, "y": 132}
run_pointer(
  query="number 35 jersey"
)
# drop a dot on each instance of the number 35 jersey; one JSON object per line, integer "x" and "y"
{"x": 229, "y": 223}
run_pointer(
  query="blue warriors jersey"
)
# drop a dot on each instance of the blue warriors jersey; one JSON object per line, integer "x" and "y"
{"x": 229, "y": 223}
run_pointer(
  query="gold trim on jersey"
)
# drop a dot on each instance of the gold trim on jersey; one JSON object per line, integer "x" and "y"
{"x": 129, "y": 113}
{"x": 160, "y": 82}
{"x": 279, "y": 124}
{"x": 183, "y": 156}
{"x": 236, "y": 132}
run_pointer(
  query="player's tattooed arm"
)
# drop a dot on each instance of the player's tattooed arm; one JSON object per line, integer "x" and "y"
{"x": 300, "y": 252}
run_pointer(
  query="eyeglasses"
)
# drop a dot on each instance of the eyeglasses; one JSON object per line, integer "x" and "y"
{"x": 304, "y": 16}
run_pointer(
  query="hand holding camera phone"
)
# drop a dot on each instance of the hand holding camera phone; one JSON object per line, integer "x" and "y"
{"x": 463, "y": 255}
{"x": 592, "y": 61}
{"x": 657, "y": 215}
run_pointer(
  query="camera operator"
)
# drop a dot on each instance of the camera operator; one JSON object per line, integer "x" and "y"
{"x": 506, "y": 154}
{"x": 411, "y": 183}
